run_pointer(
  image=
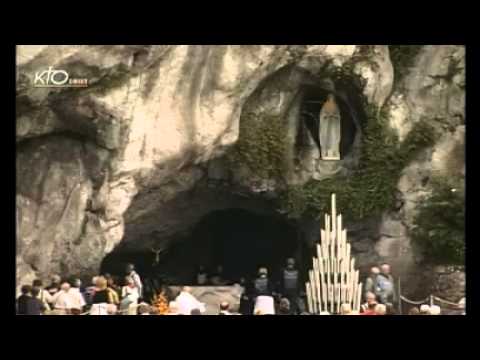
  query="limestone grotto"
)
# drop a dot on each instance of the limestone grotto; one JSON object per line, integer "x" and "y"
{"x": 176, "y": 156}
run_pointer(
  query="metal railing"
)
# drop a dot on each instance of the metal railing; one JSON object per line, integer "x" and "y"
{"x": 430, "y": 300}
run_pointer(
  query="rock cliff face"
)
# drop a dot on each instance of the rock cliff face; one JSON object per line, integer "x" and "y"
{"x": 113, "y": 164}
{"x": 433, "y": 91}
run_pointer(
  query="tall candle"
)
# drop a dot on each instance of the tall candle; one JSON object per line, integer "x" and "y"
{"x": 322, "y": 281}
{"x": 312, "y": 287}
{"x": 342, "y": 274}
{"x": 309, "y": 298}
{"x": 319, "y": 295}
{"x": 326, "y": 221}
{"x": 332, "y": 297}
{"x": 327, "y": 230}
{"x": 328, "y": 280}
{"x": 335, "y": 286}
{"x": 334, "y": 213}
{"x": 359, "y": 299}
{"x": 327, "y": 239}
{"x": 356, "y": 285}
{"x": 354, "y": 293}
{"x": 348, "y": 252}
{"x": 338, "y": 297}
{"x": 334, "y": 209}
{"x": 339, "y": 227}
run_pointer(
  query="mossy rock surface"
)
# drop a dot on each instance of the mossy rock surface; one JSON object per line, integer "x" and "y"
{"x": 261, "y": 147}
{"x": 371, "y": 188}
{"x": 368, "y": 191}
{"x": 403, "y": 57}
{"x": 439, "y": 226}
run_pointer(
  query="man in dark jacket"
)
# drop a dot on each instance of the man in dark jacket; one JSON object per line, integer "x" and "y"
{"x": 290, "y": 284}
{"x": 34, "y": 305}
{"x": 262, "y": 284}
{"x": 22, "y": 301}
{"x": 246, "y": 303}
{"x": 371, "y": 281}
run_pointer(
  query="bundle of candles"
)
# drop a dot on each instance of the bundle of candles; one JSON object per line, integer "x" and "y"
{"x": 161, "y": 303}
{"x": 333, "y": 279}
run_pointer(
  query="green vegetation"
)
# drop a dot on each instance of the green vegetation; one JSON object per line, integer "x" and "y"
{"x": 370, "y": 190}
{"x": 402, "y": 57}
{"x": 261, "y": 146}
{"x": 439, "y": 227}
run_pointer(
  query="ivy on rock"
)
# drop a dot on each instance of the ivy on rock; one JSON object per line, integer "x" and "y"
{"x": 368, "y": 191}
{"x": 439, "y": 226}
{"x": 261, "y": 146}
{"x": 371, "y": 189}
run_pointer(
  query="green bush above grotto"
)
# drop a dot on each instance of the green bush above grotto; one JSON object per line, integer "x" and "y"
{"x": 439, "y": 226}
{"x": 371, "y": 188}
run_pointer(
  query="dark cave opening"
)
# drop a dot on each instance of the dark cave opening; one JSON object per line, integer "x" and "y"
{"x": 313, "y": 100}
{"x": 237, "y": 239}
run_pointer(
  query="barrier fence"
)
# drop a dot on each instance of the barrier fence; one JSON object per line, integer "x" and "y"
{"x": 429, "y": 300}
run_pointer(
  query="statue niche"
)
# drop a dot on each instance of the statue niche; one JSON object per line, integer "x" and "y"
{"x": 329, "y": 130}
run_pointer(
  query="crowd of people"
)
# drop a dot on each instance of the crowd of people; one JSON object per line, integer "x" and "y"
{"x": 262, "y": 296}
{"x": 69, "y": 297}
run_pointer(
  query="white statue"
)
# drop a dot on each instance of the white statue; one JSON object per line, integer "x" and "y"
{"x": 329, "y": 132}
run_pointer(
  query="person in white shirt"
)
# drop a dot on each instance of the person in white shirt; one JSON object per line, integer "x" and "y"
{"x": 130, "y": 270}
{"x": 64, "y": 300}
{"x": 173, "y": 308}
{"x": 78, "y": 302}
{"x": 265, "y": 305}
{"x": 187, "y": 302}
{"x": 130, "y": 290}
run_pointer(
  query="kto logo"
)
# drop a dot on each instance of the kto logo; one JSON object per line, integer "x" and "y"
{"x": 57, "y": 78}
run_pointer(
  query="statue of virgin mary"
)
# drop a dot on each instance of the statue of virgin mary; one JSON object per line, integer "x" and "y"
{"x": 329, "y": 130}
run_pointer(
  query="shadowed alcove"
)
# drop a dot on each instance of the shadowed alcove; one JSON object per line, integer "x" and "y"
{"x": 237, "y": 239}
